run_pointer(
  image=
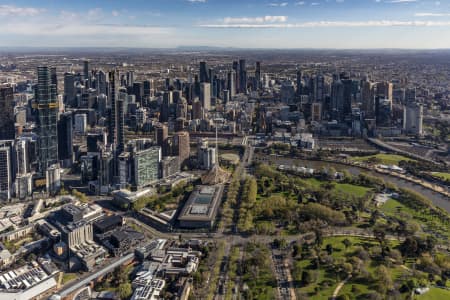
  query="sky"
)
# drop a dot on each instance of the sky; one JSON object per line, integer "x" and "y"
{"x": 281, "y": 24}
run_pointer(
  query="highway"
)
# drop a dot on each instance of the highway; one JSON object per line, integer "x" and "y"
{"x": 69, "y": 289}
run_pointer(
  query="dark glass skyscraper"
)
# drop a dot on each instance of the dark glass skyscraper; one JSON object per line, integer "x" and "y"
{"x": 113, "y": 94}
{"x": 86, "y": 70}
{"x": 69, "y": 89}
{"x": 299, "y": 83}
{"x": 242, "y": 76}
{"x": 46, "y": 109}
{"x": 120, "y": 111}
{"x": 258, "y": 75}
{"x": 203, "y": 72}
{"x": 65, "y": 136}
{"x": 7, "y": 131}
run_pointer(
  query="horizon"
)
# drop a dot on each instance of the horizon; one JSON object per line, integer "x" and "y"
{"x": 271, "y": 24}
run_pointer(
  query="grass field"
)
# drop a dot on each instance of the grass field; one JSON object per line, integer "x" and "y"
{"x": 434, "y": 294}
{"x": 342, "y": 187}
{"x": 69, "y": 277}
{"x": 351, "y": 189}
{"x": 387, "y": 159}
{"x": 445, "y": 176}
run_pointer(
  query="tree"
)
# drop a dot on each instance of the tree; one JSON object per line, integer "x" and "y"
{"x": 125, "y": 291}
{"x": 384, "y": 280}
{"x": 347, "y": 243}
{"x": 329, "y": 249}
{"x": 295, "y": 250}
{"x": 307, "y": 277}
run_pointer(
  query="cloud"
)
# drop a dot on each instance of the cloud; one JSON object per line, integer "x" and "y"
{"x": 115, "y": 13}
{"x": 326, "y": 24}
{"x": 256, "y": 20}
{"x": 299, "y": 3}
{"x": 11, "y": 10}
{"x": 281, "y": 4}
{"x": 401, "y": 1}
{"x": 197, "y": 1}
{"x": 425, "y": 14}
{"x": 78, "y": 29}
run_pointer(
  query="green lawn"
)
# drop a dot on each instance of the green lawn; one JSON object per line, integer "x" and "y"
{"x": 67, "y": 277}
{"x": 387, "y": 159}
{"x": 445, "y": 176}
{"x": 434, "y": 294}
{"x": 393, "y": 207}
{"x": 355, "y": 190}
{"x": 341, "y": 187}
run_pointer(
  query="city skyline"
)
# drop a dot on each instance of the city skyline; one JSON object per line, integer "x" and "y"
{"x": 336, "y": 24}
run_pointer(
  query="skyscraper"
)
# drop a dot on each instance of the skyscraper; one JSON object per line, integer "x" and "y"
{"x": 161, "y": 137}
{"x": 54, "y": 78}
{"x": 113, "y": 94}
{"x": 69, "y": 89}
{"x": 203, "y": 72}
{"x": 7, "y": 131}
{"x": 65, "y": 136}
{"x": 86, "y": 70}
{"x": 412, "y": 114}
{"x": 318, "y": 88}
{"x": 237, "y": 79}
{"x": 337, "y": 97}
{"x": 258, "y": 75}
{"x": 6, "y": 170}
{"x": 242, "y": 76}
{"x": 120, "y": 118}
{"x": 102, "y": 85}
{"x": 232, "y": 83}
{"x": 130, "y": 78}
{"x": 165, "y": 107}
{"x": 205, "y": 95}
{"x": 368, "y": 97}
{"x": 299, "y": 83}
{"x": 147, "y": 88}
{"x": 46, "y": 108}
{"x": 181, "y": 146}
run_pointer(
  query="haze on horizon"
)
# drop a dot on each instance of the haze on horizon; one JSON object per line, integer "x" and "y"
{"x": 334, "y": 24}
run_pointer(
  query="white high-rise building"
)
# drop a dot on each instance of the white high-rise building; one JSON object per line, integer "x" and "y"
{"x": 413, "y": 118}
{"x": 205, "y": 95}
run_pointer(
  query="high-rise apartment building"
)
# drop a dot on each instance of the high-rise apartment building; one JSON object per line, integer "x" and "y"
{"x": 7, "y": 130}
{"x": 181, "y": 146}
{"x": 46, "y": 108}
{"x": 6, "y": 170}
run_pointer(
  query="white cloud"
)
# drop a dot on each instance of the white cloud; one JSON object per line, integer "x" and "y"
{"x": 115, "y": 13}
{"x": 11, "y": 10}
{"x": 299, "y": 3}
{"x": 197, "y": 1}
{"x": 318, "y": 24}
{"x": 401, "y": 1}
{"x": 256, "y": 20}
{"x": 95, "y": 13}
{"x": 425, "y": 14}
{"x": 78, "y": 29}
{"x": 281, "y": 4}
